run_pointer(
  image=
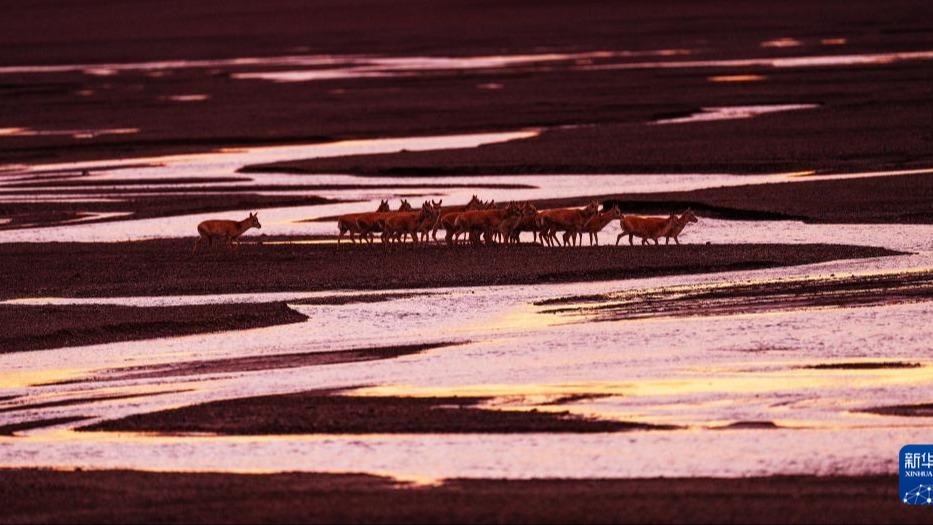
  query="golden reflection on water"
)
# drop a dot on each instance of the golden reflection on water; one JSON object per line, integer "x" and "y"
{"x": 731, "y": 380}
{"x": 737, "y": 78}
{"x": 611, "y": 306}
{"x": 22, "y": 379}
{"x": 291, "y": 243}
{"x": 522, "y": 318}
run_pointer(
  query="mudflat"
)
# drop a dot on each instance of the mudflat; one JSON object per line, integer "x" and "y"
{"x": 317, "y": 412}
{"x": 28, "y": 327}
{"x": 115, "y": 496}
{"x": 757, "y": 297}
{"x": 905, "y": 200}
{"x": 167, "y": 267}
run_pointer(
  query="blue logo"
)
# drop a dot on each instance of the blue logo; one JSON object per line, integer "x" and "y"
{"x": 916, "y": 468}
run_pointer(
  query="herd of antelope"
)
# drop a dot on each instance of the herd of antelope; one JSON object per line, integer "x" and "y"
{"x": 483, "y": 222}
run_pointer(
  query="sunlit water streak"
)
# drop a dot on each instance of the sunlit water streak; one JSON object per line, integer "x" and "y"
{"x": 362, "y": 63}
{"x": 378, "y": 67}
{"x": 305, "y": 68}
{"x": 74, "y": 133}
{"x": 866, "y": 59}
{"x": 734, "y": 112}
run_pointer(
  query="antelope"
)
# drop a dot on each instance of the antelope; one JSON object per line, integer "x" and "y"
{"x": 511, "y": 227}
{"x": 447, "y": 218}
{"x": 425, "y": 228}
{"x": 679, "y": 224}
{"x": 598, "y": 222}
{"x": 369, "y": 223}
{"x": 645, "y": 227}
{"x": 528, "y": 223}
{"x": 485, "y": 222}
{"x": 449, "y": 221}
{"x": 226, "y": 230}
{"x": 347, "y": 223}
{"x": 570, "y": 220}
{"x": 397, "y": 225}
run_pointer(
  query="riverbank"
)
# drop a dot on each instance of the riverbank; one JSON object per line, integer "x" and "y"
{"x": 167, "y": 267}
{"x": 113, "y": 496}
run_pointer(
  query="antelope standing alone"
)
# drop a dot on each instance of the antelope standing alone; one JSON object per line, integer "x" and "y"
{"x": 224, "y": 229}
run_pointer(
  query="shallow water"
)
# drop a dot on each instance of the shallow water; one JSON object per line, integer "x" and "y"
{"x": 309, "y": 68}
{"x": 698, "y": 373}
{"x": 375, "y": 67}
{"x": 293, "y": 220}
{"x": 74, "y": 133}
{"x": 329, "y": 67}
{"x": 865, "y": 59}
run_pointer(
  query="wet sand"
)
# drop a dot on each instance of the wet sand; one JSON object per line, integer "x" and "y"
{"x": 169, "y": 268}
{"x": 129, "y": 497}
{"x": 26, "y": 327}
{"x": 13, "y": 428}
{"x": 918, "y": 410}
{"x": 860, "y": 125}
{"x": 864, "y": 366}
{"x": 254, "y": 363}
{"x": 328, "y": 413}
{"x": 905, "y": 199}
{"x": 734, "y": 299}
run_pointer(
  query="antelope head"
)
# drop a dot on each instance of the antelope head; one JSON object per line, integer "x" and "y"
{"x": 253, "y": 221}
{"x": 529, "y": 210}
{"x": 688, "y": 216}
{"x": 474, "y": 203}
{"x": 405, "y": 206}
{"x": 429, "y": 212}
{"x": 513, "y": 210}
{"x": 383, "y": 206}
